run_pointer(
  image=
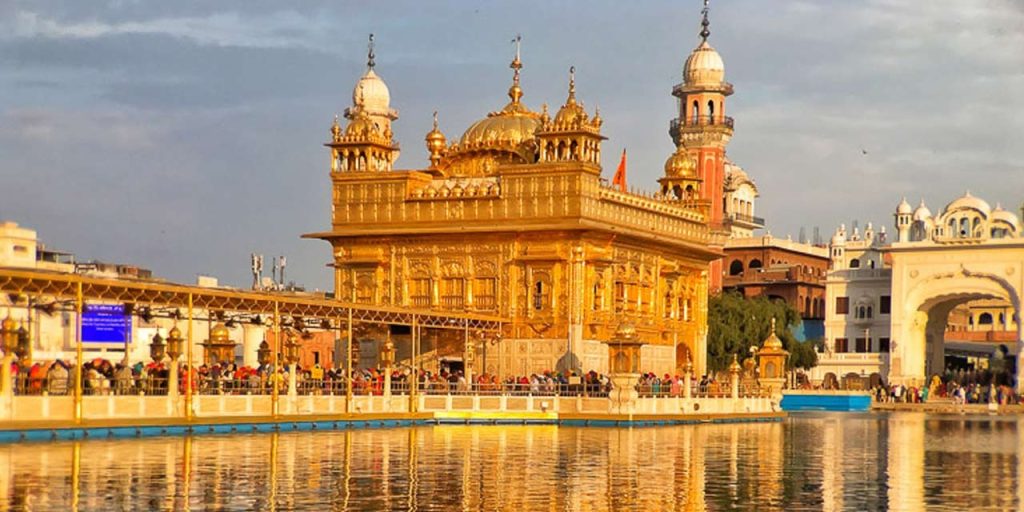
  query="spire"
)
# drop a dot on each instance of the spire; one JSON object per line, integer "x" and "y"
{"x": 435, "y": 119}
{"x": 704, "y": 33}
{"x": 773, "y": 318}
{"x": 572, "y": 85}
{"x": 369, "y": 54}
{"x": 515, "y": 92}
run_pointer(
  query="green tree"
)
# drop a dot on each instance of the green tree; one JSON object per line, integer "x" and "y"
{"x": 737, "y": 323}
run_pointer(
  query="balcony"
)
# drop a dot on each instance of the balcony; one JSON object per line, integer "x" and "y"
{"x": 747, "y": 220}
{"x": 676, "y": 123}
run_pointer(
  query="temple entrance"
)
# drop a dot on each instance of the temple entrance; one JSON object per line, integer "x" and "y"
{"x": 921, "y": 326}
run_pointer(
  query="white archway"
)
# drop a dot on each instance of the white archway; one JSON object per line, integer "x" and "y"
{"x": 919, "y": 324}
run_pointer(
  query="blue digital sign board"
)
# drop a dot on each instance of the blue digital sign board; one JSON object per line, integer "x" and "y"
{"x": 105, "y": 323}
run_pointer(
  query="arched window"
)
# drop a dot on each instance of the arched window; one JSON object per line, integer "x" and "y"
{"x": 755, "y": 263}
{"x": 711, "y": 112}
{"x": 985, "y": 319}
{"x": 871, "y": 263}
{"x": 696, "y": 113}
{"x": 807, "y": 306}
{"x": 735, "y": 268}
{"x": 855, "y": 263}
{"x": 965, "y": 227}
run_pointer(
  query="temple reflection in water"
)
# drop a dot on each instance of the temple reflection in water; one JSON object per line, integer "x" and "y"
{"x": 896, "y": 462}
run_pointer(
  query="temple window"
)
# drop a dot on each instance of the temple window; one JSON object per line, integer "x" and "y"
{"x": 420, "y": 292}
{"x": 453, "y": 293}
{"x": 485, "y": 293}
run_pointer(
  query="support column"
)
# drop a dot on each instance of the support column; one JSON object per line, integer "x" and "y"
{"x": 252, "y": 335}
{"x": 188, "y": 368}
{"x": 348, "y": 365}
{"x": 79, "y": 308}
{"x": 274, "y": 375}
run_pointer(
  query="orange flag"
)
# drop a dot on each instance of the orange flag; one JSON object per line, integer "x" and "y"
{"x": 620, "y": 173}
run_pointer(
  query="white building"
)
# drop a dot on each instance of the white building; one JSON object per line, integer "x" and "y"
{"x": 889, "y": 305}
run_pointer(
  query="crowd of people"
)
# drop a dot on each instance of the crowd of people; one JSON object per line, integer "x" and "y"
{"x": 103, "y": 377}
{"x": 958, "y": 386}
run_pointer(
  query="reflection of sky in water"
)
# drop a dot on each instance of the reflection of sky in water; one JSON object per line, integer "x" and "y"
{"x": 821, "y": 462}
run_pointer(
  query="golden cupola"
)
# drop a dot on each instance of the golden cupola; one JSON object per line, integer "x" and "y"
{"x": 366, "y": 143}
{"x": 507, "y": 136}
{"x": 436, "y": 143}
{"x": 681, "y": 180}
{"x": 572, "y": 135}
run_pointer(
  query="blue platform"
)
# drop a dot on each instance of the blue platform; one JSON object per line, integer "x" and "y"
{"x": 796, "y": 401}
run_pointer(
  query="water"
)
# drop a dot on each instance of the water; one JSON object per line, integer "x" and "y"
{"x": 900, "y": 461}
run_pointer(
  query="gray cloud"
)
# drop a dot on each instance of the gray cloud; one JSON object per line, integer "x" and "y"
{"x": 183, "y": 135}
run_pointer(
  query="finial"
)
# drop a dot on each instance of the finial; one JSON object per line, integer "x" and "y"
{"x": 335, "y": 129}
{"x": 704, "y": 33}
{"x": 515, "y": 92}
{"x": 369, "y": 57}
{"x": 516, "y": 64}
{"x": 572, "y": 83}
{"x": 773, "y": 318}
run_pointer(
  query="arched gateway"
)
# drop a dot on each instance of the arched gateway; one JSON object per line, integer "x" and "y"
{"x": 929, "y": 280}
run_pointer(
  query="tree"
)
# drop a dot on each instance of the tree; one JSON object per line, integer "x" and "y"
{"x": 737, "y": 323}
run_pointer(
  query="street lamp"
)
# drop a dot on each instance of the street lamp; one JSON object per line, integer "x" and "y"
{"x": 291, "y": 348}
{"x": 175, "y": 343}
{"x": 263, "y": 353}
{"x": 9, "y": 339}
{"x": 157, "y": 348}
{"x": 23, "y": 343}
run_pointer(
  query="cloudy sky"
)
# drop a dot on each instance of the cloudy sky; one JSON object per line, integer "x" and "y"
{"x": 182, "y": 136}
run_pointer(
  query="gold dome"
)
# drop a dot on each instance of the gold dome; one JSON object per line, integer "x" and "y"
{"x": 174, "y": 333}
{"x": 735, "y": 367}
{"x": 220, "y": 334}
{"x": 436, "y": 141}
{"x": 360, "y": 126}
{"x": 571, "y": 113}
{"x": 510, "y": 127}
{"x": 681, "y": 164}
{"x": 772, "y": 342}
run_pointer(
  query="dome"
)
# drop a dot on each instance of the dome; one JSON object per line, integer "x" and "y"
{"x": 704, "y": 66}
{"x": 967, "y": 201}
{"x": 501, "y": 129}
{"x": 840, "y": 236}
{"x": 371, "y": 94}
{"x": 772, "y": 343}
{"x": 681, "y": 165}
{"x": 922, "y": 212}
{"x": 904, "y": 208}
{"x": 999, "y": 214}
{"x": 174, "y": 333}
{"x": 220, "y": 334}
{"x": 360, "y": 126}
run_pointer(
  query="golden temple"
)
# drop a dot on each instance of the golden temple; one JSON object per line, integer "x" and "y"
{"x": 513, "y": 219}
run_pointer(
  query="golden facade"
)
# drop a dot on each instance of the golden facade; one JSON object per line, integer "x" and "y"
{"x": 513, "y": 219}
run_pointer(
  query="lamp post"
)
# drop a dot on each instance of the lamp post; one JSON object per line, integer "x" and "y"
{"x": 263, "y": 353}
{"x": 175, "y": 344}
{"x": 9, "y": 339}
{"x": 157, "y": 348}
{"x": 291, "y": 358}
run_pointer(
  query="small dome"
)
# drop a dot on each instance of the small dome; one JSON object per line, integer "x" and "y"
{"x": 735, "y": 367}
{"x": 436, "y": 140}
{"x": 220, "y": 334}
{"x": 999, "y": 214}
{"x": 840, "y": 237}
{"x": 904, "y": 208}
{"x": 360, "y": 126}
{"x": 967, "y": 201}
{"x": 371, "y": 94}
{"x": 174, "y": 333}
{"x": 772, "y": 343}
{"x": 681, "y": 165}
{"x": 704, "y": 66}
{"x": 922, "y": 212}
